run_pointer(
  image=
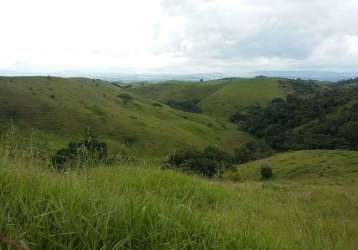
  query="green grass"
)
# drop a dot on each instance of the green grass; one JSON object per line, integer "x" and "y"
{"x": 177, "y": 90}
{"x": 303, "y": 165}
{"x": 241, "y": 93}
{"x": 64, "y": 108}
{"x": 218, "y": 98}
{"x": 311, "y": 203}
{"x": 143, "y": 207}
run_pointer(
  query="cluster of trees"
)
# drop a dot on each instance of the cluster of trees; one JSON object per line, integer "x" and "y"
{"x": 190, "y": 105}
{"x": 252, "y": 151}
{"x": 348, "y": 81}
{"x": 212, "y": 161}
{"x": 88, "y": 151}
{"x": 326, "y": 120}
{"x": 209, "y": 162}
{"x": 301, "y": 87}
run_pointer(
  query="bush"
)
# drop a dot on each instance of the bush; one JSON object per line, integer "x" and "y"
{"x": 209, "y": 162}
{"x": 252, "y": 151}
{"x": 88, "y": 151}
{"x": 157, "y": 105}
{"x": 238, "y": 118}
{"x": 266, "y": 172}
{"x": 126, "y": 98}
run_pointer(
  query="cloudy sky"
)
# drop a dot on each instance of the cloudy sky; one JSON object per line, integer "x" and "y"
{"x": 172, "y": 36}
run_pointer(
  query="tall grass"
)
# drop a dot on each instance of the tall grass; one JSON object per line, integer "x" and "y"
{"x": 128, "y": 207}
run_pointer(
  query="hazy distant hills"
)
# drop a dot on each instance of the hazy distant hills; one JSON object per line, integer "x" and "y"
{"x": 160, "y": 77}
{"x": 306, "y": 75}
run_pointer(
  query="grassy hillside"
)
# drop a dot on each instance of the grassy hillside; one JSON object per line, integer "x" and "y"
{"x": 303, "y": 165}
{"x": 128, "y": 207}
{"x": 238, "y": 94}
{"x": 64, "y": 108}
{"x": 218, "y": 98}
{"x": 178, "y": 91}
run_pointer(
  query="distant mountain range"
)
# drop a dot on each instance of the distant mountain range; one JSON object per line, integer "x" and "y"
{"x": 160, "y": 77}
{"x": 306, "y": 75}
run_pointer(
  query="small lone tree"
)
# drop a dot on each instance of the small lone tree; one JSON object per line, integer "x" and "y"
{"x": 125, "y": 97}
{"x": 266, "y": 172}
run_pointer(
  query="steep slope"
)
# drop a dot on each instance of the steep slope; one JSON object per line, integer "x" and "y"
{"x": 302, "y": 165}
{"x": 327, "y": 119}
{"x": 237, "y": 94}
{"x": 64, "y": 108}
{"x": 218, "y": 98}
{"x": 177, "y": 90}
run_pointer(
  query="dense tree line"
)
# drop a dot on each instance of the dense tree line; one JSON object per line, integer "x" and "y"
{"x": 327, "y": 119}
{"x": 209, "y": 162}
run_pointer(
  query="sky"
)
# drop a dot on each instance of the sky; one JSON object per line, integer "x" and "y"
{"x": 172, "y": 36}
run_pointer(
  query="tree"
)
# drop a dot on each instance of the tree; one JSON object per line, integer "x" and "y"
{"x": 125, "y": 97}
{"x": 209, "y": 162}
{"x": 266, "y": 172}
{"x": 252, "y": 151}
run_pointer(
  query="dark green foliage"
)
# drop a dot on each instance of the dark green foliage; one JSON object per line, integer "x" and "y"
{"x": 266, "y": 172}
{"x": 157, "y": 105}
{"x": 129, "y": 140}
{"x": 190, "y": 105}
{"x": 252, "y": 151}
{"x": 327, "y": 120}
{"x": 208, "y": 163}
{"x": 348, "y": 81}
{"x": 125, "y": 97}
{"x": 238, "y": 118}
{"x": 87, "y": 151}
{"x": 302, "y": 87}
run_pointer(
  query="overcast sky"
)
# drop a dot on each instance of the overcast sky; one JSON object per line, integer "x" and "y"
{"x": 178, "y": 36}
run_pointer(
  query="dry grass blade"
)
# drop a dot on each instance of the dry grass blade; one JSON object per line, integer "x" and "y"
{"x": 11, "y": 243}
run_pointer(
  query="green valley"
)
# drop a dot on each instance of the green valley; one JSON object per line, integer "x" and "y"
{"x": 262, "y": 163}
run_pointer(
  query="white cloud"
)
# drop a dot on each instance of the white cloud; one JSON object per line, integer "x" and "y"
{"x": 178, "y": 36}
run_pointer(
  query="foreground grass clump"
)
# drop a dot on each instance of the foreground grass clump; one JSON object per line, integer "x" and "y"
{"x": 126, "y": 207}
{"x": 111, "y": 208}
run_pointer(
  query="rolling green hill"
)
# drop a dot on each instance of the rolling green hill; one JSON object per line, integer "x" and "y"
{"x": 64, "y": 108}
{"x": 178, "y": 90}
{"x": 218, "y": 98}
{"x": 236, "y": 95}
{"x": 302, "y": 165}
{"x": 132, "y": 207}
{"x": 310, "y": 203}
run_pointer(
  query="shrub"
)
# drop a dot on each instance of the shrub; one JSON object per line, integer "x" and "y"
{"x": 238, "y": 118}
{"x": 129, "y": 140}
{"x": 252, "y": 151}
{"x": 125, "y": 97}
{"x": 157, "y": 105}
{"x": 266, "y": 172}
{"x": 88, "y": 151}
{"x": 209, "y": 162}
